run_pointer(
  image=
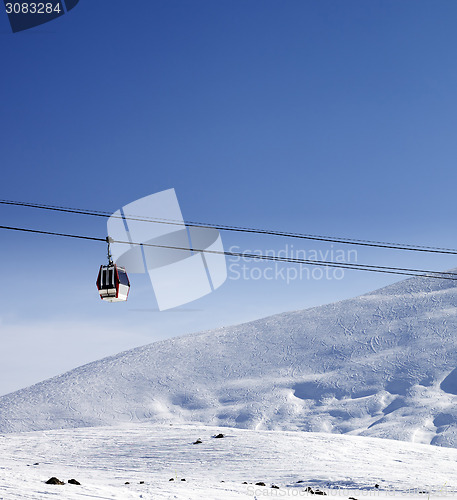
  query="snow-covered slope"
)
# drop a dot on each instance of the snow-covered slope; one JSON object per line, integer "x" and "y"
{"x": 383, "y": 365}
{"x": 146, "y": 456}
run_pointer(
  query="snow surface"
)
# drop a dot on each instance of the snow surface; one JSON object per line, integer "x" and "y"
{"x": 381, "y": 365}
{"x": 103, "y": 459}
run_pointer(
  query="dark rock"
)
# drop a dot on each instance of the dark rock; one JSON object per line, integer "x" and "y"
{"x": 218, "y": 436}
{"x": 126, "y": 482}
{"x": 141, "y": 482}
{"x": 182, "y": 479}
{"x": 54, "y": 480}
{"x": 310, "y": 490}
{"x": 318, "y": 492}
{"x": 376, "y": 485}
{"x": 352, "y": 498}
{"x": 199, "y": 441}
{"x": 244, "y": 482}
{"x": 260, "y": 483}
{"x": 301, "y": 481}
{"x": 275, "y": 487}
{"x": 172, "y": 479}
{"x": 36, "y": 463}
{"x": 73, "y": 481}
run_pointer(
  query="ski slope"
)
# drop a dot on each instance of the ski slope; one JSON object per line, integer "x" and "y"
{"x": 103, "y": 459}
{"x": 382, "y": 365}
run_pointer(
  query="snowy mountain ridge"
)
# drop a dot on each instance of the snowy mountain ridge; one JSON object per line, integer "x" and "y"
{"x": 383, "y": 365}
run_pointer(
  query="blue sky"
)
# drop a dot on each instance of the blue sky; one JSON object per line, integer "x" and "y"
{"x": 323, "y": 117}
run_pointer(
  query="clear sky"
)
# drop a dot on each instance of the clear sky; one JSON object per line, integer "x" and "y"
{"x": 323, "y": 117}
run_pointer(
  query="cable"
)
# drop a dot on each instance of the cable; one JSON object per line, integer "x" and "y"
{"x": 359, "y": 267}
{"x": 346, "y": 241}
{"x": 53, "y": 234}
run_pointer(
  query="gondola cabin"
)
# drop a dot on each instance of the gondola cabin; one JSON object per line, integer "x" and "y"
{"x": 113, "y": 283}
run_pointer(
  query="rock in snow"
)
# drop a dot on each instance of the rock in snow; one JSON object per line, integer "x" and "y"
{"x": 383, "y": 364}
{"x": 54, "y": 480}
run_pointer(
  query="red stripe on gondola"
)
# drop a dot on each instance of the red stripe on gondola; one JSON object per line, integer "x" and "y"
{"x": 117, "y": 281}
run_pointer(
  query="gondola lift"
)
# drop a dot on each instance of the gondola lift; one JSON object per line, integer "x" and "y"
{"x": 112, "y": 283}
